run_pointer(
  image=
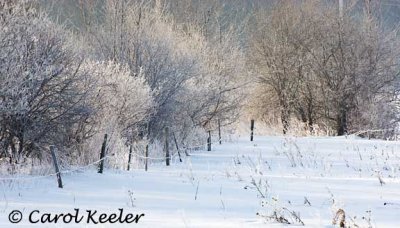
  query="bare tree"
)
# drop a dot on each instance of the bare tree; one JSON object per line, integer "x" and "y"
{"x": 277, "y": 58}
{"x": 324, "y": 67}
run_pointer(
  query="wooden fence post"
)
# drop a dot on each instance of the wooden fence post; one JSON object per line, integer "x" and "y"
{"x": 209, "y": 141}
{"x": 53, "y": 155}
{"x": 252, "y": 130}
{"x": 146, "y": 152}
{"x": 102, "y": 154}
{"x": 219, "y": 132}
{"x": 167, "y": 157}
{"x": 177, "y": 147}
{"x": 130, "y": 157}
{"x": 147, "y": 157}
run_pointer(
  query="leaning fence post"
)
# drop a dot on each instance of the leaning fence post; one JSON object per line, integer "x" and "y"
{"x": 167, "y": 157}
{"x": 209, "y": 141}
{"x": 53, "y": 155}
{"x": 102, "y": 154}
{"x": 130, "y": 157}
{"x": 177, "y": 147}
{"x": 251, "y": 130}
{"x": 219, "y": 132}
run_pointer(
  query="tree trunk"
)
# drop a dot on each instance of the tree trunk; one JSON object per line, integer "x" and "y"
{"x": 310, "y": 118}
{"x": 285, "y": 120}
{"x": 310, "y": 124}
{"x": 303, "y": 117}
{"x": 342, "y": 122}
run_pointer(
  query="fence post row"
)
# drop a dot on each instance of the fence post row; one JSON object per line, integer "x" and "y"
{"x": 251, "y": 130}
{"x": 102, "y": 154}
{"x": 53, "y": 155}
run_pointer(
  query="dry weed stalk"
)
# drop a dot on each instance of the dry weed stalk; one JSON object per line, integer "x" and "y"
{"x": 340, "y": 218}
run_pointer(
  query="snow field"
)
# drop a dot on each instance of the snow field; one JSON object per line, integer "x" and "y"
{"x": 265, "y": 183}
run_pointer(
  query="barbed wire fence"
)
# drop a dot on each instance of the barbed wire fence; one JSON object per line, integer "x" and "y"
{"x": 145, "y": 157}
{"x": 138, "y": 153}
{"x": 12, "y": 180}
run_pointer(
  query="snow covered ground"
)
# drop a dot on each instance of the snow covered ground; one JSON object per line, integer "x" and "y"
{"x": 238, "y": 184}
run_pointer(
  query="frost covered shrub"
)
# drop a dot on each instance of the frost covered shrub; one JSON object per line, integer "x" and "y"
{"x": 50, "y": 96}
{"x": 129, "y": 74}
{"x": 119, "y": 103}
{"x": 39, "y": 95}
{"x": 193, "y": 82}
{"x": 119, "y": 100}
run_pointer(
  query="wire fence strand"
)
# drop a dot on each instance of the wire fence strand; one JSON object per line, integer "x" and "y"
{"x": 22, "y": 178}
